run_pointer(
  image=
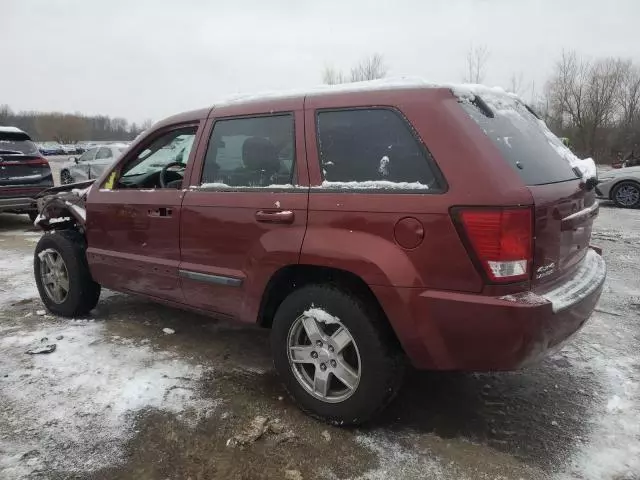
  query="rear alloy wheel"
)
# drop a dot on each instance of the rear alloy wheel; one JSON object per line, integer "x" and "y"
{"x": 626, "y": 195}
{"x": 324, "y": 358}
{"x": 336, "y": 354}
{"x": 65, "y": 177}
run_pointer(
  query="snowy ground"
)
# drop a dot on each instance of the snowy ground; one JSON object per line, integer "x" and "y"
{"x": 119, "y": 398}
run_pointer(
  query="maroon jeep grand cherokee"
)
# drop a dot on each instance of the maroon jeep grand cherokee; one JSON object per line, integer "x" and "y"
{"x": 363, "y": 226}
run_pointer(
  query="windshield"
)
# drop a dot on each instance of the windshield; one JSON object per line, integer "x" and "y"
{"x": 536, "y": 154}
{"x": 167, "y": 149}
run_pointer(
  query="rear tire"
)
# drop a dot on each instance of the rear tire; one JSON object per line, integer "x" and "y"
{"x": 626, "y": 194}
{"x": 379, "y": 360}
{"x": 75, "y": 293}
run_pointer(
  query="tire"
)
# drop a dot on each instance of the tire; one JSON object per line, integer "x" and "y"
{"x": 82, "y": 292}
{"x": 65, "y": 177}
{"x": 626, "y": 194}
{"x": 32, "y": 216}
{"x": 379, "y": 358}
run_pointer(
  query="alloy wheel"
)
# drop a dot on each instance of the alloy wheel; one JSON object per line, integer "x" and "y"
{"x": 324, "y": 358}
{"x": 54, "y": 275}
{"x": 628, "y": 195}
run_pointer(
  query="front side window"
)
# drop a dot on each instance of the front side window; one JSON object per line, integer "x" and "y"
{"x": 250, "y": 152}
{"x": 88, "y": 155}
{"x": 169, "y": 150}
{"x": 104, "y": 153}
{"x": 372, "y": 148}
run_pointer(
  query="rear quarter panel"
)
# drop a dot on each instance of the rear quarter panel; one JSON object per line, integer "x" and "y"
{"x": 355, "y": 230}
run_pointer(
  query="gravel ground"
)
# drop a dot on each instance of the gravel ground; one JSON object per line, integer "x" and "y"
{"x": 120, "y": 398}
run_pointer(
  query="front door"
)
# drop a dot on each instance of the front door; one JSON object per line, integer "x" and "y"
{"x": 244, "y": 216}
{"x": 104, "y": 158}
{"x": 80, "y": 170}
{"x": 133, "y": 219}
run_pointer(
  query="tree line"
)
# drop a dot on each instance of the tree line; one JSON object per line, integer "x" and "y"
{"x": 71, "y": 128}
{"x": 594, "y": 103}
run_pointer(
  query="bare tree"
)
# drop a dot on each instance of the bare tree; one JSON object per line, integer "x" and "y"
{"x": 585, "y": 95}
{"x": 629, "y": 95}
{"x": 369, "y": 68}
{"x": 516, "y": 83}
{"x": 476, "y": 64}
{"x": 331, "y": 76}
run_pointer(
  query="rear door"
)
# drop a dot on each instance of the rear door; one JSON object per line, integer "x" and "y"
{"x": 244, "y": 216}
{"x": 564, "y": 208}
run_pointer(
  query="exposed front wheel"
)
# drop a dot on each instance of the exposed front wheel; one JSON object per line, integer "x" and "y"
{"x": 335, "y": 354}
{"x": 65, "y": 177}
{"x": 626, "y": 195}
{"x": 62, "y": 274}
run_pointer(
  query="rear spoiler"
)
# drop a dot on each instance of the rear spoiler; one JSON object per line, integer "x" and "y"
{"x": 65, "y": 188}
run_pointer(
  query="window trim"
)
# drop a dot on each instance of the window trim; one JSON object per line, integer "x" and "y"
{"x": 294, "y": 170}
{"x": 428, "y": 156}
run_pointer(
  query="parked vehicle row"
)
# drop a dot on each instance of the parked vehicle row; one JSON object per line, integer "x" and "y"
{"x": 54, "y": 148}
{"x": 362, "y": 226}
{"x": 24, "y": 172}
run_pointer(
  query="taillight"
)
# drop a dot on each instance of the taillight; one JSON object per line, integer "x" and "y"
{"x": 501, "y": 239}
{"x": 40, "y": 161}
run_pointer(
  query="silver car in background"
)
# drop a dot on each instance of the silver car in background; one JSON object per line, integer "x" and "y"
{"x": 621, "y": 186}
{"x": 91, "y": 163}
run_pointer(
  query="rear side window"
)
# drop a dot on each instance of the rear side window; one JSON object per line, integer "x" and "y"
{"x": 525, "y": 142}
{"x": 17, "y": 143}
{"x": 250, "y": 152}
{"x": 372, "y": 148}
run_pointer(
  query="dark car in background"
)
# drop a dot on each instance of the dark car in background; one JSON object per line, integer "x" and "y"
{"x": 51, "y": 148}
{"x": 24, "y": 172}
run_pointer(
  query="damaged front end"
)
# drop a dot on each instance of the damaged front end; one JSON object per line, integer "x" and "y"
{"x": 63, "y": 207}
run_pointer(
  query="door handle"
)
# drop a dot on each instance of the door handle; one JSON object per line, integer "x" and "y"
{"x": 160, "y": 212}
{"x": 275, "y": 216}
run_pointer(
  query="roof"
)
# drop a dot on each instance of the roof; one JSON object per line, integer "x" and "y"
{"x": 462, "y": 91}
{"x": 384, "y": 84}
{"x": 11, "y": 130}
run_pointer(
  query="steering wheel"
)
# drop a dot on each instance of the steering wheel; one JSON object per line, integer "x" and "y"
{"x": 163, "y": 172}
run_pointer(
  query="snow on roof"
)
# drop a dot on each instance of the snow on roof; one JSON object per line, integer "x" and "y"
{"x": 393, "y": 83}
{"x": 11, "y": 130}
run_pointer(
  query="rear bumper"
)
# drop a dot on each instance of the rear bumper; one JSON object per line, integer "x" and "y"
{"x": 20, "y": 198}
{"x": 459, "y": 331}
{"x": 19, "y": 204}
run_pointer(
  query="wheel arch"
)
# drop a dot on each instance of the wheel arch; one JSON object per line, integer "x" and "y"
{"x": 56, "y": 208}
{"x": 613, "y": 188}
{"x": 292, "y": 277}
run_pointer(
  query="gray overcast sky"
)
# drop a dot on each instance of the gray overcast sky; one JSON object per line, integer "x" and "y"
{"x": 151, "y": 58}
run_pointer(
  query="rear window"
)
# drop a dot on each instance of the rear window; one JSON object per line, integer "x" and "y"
{"x": 373, "y": 148}
{"x": 538, "y": 156}
{"x": 17, "y": 144}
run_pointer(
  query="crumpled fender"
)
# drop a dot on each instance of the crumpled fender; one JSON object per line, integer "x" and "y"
{"x": 63, "y": 207}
